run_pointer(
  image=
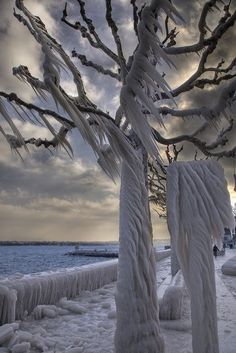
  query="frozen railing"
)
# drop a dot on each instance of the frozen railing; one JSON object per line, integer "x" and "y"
{"x": 19, "y": 296}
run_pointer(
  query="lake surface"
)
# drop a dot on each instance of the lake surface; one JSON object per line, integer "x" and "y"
{"x": 27, "y": 259}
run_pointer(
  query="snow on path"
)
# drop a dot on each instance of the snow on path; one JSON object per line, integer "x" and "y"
{"x": 92, "y": 331}
{"x": 177, "y": 333}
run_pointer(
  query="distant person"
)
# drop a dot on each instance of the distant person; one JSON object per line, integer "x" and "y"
{"x": 215, "y": 250}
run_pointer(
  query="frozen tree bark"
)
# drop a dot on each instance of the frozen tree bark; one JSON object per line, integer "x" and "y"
{"x": 136, "y": 299}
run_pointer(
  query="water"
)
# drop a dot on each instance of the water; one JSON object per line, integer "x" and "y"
{"x": 27, "y": 259}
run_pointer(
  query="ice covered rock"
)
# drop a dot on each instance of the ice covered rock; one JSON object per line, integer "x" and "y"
{"x": 6, "y": 333}
{"x": 171, "y": 304}
{"x": 19, "y": 337}
{"x": 42, "y": 311}
{"x": 71, "y": 306}
{"x": 170, "y": 295}
{"x": 23, "y": 347}
{"x": 229, "y": 267}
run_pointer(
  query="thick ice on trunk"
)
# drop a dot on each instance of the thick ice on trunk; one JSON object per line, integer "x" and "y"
{"x": 199, "y": 208}
{"x": 136, "y": 299}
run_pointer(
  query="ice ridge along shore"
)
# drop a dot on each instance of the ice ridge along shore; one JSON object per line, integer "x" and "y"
{"x": 19, "y": 297}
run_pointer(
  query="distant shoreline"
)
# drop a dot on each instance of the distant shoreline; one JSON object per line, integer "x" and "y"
{"x": 58, "y": 243}
{"x": 63, "y": 243}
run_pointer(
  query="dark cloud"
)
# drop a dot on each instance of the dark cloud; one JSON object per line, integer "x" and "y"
{"x": 52, "y": 197}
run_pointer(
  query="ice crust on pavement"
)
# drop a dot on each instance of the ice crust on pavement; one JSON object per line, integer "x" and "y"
{"x": 93, "y": 330}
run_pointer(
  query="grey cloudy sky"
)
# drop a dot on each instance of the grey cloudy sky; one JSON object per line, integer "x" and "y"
{"x": 51, "y": 197}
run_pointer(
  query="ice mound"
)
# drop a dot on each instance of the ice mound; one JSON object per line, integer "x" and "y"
{"x": 229, "y": 267}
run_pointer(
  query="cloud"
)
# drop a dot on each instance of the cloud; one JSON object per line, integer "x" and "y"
{"x": 51, "y": 197}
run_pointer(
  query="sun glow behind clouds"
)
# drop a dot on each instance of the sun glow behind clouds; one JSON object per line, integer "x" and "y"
{"x": 53, "y": 198}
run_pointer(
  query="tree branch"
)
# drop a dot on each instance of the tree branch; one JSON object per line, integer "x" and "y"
{"x": 135, "y": 16}
{"x": 96, "y": 42}
{"x": 219, "y": 31}
{"x": 84, "y": 61}
{"x": 205, "y": 148}
{"x": 114, "y": 30}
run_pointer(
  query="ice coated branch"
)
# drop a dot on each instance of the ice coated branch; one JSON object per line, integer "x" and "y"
{"x": 224, "y": 24}
{"x": 135, "y": 16}
{"x": 99, "y": 68}
{"x": 114, "y": 30}
{"x": 206, "y": 149}
{"x": 12, "y": 97}
{"x": 92, "y": 36}
{"x": 210, "y": 114}
{"x": 193, "y": 80}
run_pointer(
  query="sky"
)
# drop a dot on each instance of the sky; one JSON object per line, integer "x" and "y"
{"x": 49, "y": 196}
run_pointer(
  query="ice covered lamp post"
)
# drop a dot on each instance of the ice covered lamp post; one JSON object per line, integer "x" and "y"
{"x": 198, "y": 208}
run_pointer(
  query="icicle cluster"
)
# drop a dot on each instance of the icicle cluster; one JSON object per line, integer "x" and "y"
{"x": 38, "y": 293}
{"x": 8, "y": 299}
{"x": 19, "y": 296}
{"x": 101, "y": 130}
{"x": 17, "y": 135}
{"x": 143, "y": 81}
{"x": 198, "y": 210}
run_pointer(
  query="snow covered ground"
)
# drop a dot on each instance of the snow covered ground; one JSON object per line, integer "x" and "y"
{"x": 86, "y": 324}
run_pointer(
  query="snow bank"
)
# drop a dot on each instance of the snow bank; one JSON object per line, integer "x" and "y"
{"x": 229, "y": 267}
{"x": 162, "y": 254}
{"x": 20, "y": 296}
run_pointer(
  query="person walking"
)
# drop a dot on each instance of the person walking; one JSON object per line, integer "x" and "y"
{"x": 215, "y": 251}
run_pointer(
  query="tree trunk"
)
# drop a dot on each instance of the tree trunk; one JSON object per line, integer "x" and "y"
{"x": 136, "y": 299}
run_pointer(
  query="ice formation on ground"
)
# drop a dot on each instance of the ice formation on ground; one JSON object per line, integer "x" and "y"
{"x": 229, "y": 267}
{"x": 48, "y": 288}
{"x": 20, "y": 295}
{"x": 170, "y": 296}
{"x": 90, "y": 330}
{"x": 199, "y": 208}
{"x": 93, "y": 331}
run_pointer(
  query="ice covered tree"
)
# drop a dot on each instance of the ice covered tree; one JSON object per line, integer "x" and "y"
{"x": 138, "y": 129}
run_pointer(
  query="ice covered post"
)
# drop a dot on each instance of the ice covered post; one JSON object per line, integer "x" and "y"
{"x": 198, "y": 209}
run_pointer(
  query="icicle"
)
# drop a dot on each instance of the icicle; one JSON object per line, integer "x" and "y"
{"x": 143, "y": 77}
{"x": 25, "y": 294}
{"x": 9, "y": 120}
{"x": 235, "y": 173}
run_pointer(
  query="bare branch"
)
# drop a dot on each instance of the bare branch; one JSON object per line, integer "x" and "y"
{"x": 205, "y": 148}
{"x": 114, "y": 30}
{"x": 219, "y": 31}
{"x": 192, "y": 81}
{"x": 92, "y": 37}
{"x": 84, "y": 61}
{"x": 210, "y": 114}
{"x": 135, "y": 16}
